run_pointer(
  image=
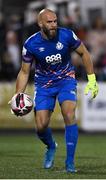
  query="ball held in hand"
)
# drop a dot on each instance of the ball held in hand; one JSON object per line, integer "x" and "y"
{"x": 21, "y": 104}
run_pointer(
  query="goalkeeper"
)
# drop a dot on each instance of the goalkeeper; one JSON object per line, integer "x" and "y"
{"x": 50, "y": 48}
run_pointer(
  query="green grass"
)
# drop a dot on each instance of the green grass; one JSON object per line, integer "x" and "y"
{"x": 21, "y": 158}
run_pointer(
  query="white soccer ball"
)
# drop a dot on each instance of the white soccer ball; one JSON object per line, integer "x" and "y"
{"x": 21, "y": 104}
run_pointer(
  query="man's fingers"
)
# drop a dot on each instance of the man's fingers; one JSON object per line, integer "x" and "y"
{"x": 94, "y": 94}
{"x": 12, "y": 111}
{"x": 9, "y": 102}
{"x": 92, "y": 88}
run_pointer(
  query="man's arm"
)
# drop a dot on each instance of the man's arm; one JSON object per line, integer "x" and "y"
{"x": 86, "y": 58}
{"x": 22, "y": 78}
{"x": 88, "y": 64}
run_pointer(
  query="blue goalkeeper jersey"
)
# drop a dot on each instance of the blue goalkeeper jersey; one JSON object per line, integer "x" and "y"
{"x": 52, "y": 57}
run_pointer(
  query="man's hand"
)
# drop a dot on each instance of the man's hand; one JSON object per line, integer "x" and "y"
{"x": 11, "y": 109}
{"x": 9, "y": 102}
{"x": 91, "y": 86}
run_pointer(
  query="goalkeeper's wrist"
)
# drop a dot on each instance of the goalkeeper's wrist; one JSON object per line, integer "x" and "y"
{"x": 91, "y": 77}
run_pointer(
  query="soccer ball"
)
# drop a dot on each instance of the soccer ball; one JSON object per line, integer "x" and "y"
{"x": 21, "y": 104}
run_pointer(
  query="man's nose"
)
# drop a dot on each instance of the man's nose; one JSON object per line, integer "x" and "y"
{"x": 54, "y": 24}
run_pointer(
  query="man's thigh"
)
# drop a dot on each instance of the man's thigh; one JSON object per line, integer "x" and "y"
{"x": 67, "y": 98}
{"x": 68, "y": 91}
{"x": 44, "y": 99}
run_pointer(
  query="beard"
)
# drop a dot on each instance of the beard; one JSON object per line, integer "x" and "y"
{"x": 50, "y": 33}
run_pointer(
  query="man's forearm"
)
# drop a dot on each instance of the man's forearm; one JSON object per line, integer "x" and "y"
{"x": 88, "y": 64}
{"x": 86, "y": 58}
{"x": 21, "y": 82}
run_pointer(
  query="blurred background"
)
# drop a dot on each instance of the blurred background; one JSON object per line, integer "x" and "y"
{"x": 18, "y": 20}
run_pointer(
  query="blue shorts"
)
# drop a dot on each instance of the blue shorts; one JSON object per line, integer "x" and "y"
{"x": 45, "y": 98}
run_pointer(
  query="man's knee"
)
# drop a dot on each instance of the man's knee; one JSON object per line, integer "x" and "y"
{"x": 41, "y": 127}
{"x": 69, "y": 117}
{"x": 41, "y": 123}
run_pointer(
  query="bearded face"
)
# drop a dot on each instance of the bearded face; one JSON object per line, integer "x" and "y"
{"x": 48, "y": 24}
{"x": 50, "y": 33}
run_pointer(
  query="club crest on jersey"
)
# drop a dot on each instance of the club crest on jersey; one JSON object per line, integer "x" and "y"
{"x": 59, "y": 46}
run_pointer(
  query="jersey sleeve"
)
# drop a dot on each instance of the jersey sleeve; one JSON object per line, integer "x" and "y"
{"x": 74, "y": 41}
{"x": 27, "y": 57}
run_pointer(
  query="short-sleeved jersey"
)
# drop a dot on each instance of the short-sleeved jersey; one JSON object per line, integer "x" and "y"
{"x": 52, "y": 57}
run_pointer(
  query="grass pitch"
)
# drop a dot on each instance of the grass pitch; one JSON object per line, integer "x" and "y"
{"x": 21, "y": 157}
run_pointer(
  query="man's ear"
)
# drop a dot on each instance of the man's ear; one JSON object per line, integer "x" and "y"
{"x": 40, "y": 24}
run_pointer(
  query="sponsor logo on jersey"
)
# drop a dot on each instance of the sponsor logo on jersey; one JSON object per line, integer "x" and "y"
{"x": 59, "y": 46}
{"x": 53, "y": 59}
